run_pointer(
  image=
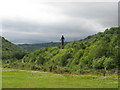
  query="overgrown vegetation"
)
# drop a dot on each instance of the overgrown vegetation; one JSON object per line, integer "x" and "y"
{"x": 98, "y": 53}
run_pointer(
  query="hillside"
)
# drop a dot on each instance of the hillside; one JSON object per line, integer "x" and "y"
{"x": 96, "y": 53}
{"x": 10, "y": 50}
{"x": 33, "y": 47}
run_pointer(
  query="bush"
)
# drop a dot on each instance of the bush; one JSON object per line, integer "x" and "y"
{"x": 109, "y": 63}
{"x": 98, "y": 63}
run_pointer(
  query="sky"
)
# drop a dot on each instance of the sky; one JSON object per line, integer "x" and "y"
{"x": 37, "y": 21}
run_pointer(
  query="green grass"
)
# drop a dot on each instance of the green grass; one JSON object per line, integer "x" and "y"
{"x": 37, "y": 79}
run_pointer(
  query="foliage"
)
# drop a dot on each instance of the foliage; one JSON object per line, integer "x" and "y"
{"x": 96, "y": 52}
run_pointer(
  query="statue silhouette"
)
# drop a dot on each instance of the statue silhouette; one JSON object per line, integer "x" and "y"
{"x": 62, "y": 42}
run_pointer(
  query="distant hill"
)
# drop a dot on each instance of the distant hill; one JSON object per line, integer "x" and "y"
{"x": 33, "y": 47}
{"x": 10, "y": 50}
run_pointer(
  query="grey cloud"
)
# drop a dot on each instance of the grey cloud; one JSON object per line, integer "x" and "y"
{"x": 103, "y": 14}
{"x": 23, "y": 32}
{"x": 119, "y": 13}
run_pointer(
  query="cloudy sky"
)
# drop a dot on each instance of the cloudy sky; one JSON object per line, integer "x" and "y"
{"x": 34, "y": 21}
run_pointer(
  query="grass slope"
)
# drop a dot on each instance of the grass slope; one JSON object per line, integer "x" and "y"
{"x": 36, "y": 79}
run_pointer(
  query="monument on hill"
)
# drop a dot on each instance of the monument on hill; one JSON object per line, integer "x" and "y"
{"x": 62, "y": 42}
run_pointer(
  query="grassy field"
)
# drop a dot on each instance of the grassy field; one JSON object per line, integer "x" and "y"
{"x": 36, "y": 79}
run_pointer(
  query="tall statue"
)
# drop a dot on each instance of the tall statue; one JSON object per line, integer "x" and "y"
{"x": 62, "y": 42}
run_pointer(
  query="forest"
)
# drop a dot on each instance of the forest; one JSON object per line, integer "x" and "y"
{"x": 96, "y": 54}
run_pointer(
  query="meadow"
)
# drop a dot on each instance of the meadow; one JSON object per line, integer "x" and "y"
{"x": 13, "y": 78}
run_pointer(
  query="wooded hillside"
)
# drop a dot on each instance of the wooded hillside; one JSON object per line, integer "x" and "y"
{"x": 99, "y": 52}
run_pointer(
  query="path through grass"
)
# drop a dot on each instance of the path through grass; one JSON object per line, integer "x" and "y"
{"x": 36, "y": 79}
